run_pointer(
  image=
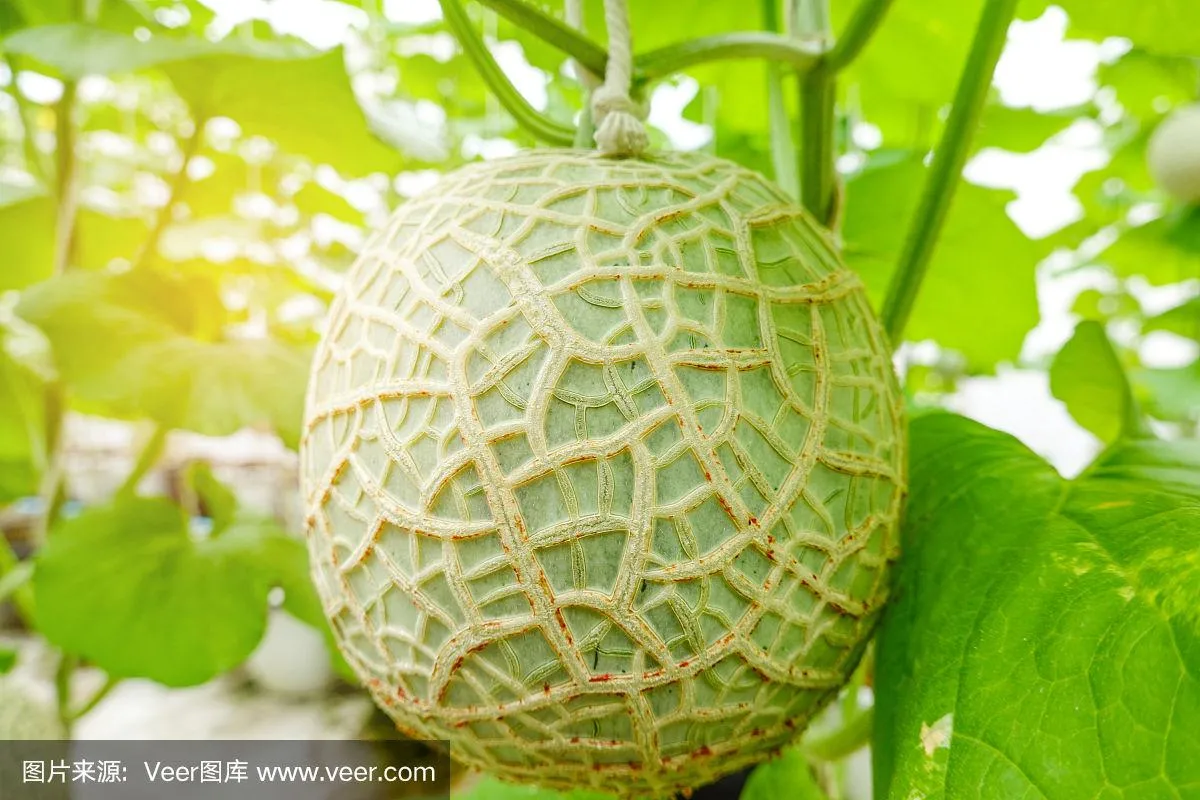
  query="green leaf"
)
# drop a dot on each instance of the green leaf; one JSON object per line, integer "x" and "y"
{"x": 1020, "y": 130}
{"x": 8, "y": 659}
{"x": 127, "y": 587}
{"x": 73, "y": 50}
{"x": 218, "y": 388}
{"x": 1148, "y": 84}
{"x": 909, "y": 69}
{"x": 128, "y": 345}
{"x": 453, "y": 82}
{"x": 15, "y": 578}
{"x": 1043, "y": 639}
{"x": 285, "y": 559}
{"x": 217, "y": 501}
{"x": 1183, "y": 320}
{"x": 1165, "y": 250}
{"x": 27, "y": 230}
{"x": 104, "y": 238}
{"x": 313, "y": 198}
{"x": 979, "y": 296}
{"x": 788, "y": 775}
{"x": 1171, "y": 393}
{"x": 118, "y": 15}
{"x": 490, "y": 788}
{"x": 312, "y": 109}
{"x": 22, "y": 442}
{"x": 304, "y": 104}
{"x": 214, "y": 195}
{"x": 1163, "y": 26}
{"x": 94, "y": 319}
{"x": 1087, "y": 375}
{"x": 1102, "y": 306}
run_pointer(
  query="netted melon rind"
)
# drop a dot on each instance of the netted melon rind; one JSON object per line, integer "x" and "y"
{"x": 603, "y": 464}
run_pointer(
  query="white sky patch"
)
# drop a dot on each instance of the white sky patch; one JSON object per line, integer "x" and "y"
{"x": 1043, "y": 179}
{"x": 1041, "y": 69}
{"x": 323, "y": 23}
{"x": 41, "y": 89}
{"x": 1056, "y": 297}
{"x": 529, "y": 80}
{"x": 1019, "y": 402}
{"x": 666, "y": 113}
{"x": 411, "y": 184}
{"x": 1164, "y": 349}
{"x": 440, "y": 46}
{"x": 411, "y": 12}
{"x": 487, "y": 148}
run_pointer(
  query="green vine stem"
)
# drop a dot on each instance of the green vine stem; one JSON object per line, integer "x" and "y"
{"x": 67, "y": 178}
{"x": 34, "y": 160}
{"x": 818, "y": 91}
{"x": 579, "y": 47}
{"x": 62, "y": 689}
{"x": 179, "y": 181}
{"x": 817, "y": 174}
{"x": 529, "y": 118}
{"x": 664, "y": 61}
{"x": 948, "y": 161}
{"x": 105, "y": 689}
{"x": 783, "y": 149}
{"x": 66, "y": 214}
{"x": 868, "y": 14}
{"x": 14, "y": 581}
{"x": 147, "y": 458}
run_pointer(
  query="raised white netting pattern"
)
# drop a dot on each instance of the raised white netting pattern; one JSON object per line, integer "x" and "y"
{"x": 603, "y": 466}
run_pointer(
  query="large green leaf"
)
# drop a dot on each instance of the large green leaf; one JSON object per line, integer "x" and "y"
{"x": 1183, "y": 320}
{"x": 22, "y": 455}
{"x": 1170, "y": 393}
{"x": 134, "y": 345}
{"x": 788, "y": 775}
{"x": 1147, "y": 84}
{"x": 119, "y": 15}
{"x": 1019, "y": 130}
{"x": 306, "y": 105}
{"x": 27, "y": 233}
{"x": 1164, "y": 250}
{"x": 95, "y": 319}
{"x": 282, "y": 90}
{"x": 979, "y": 295}
{"x": 218, "y": 388}
{"x": 909, "y": 69}
{"x": 129, "y": 588}
{"x": 73, "y": 50}
{"x": 1161, "y": 26}
{"x": 492, "y": 789}
{"x": 1043, "y": 640}
{"x": 1088, "y": 377}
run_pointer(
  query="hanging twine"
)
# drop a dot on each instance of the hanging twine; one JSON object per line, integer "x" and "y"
{"x": 619, "y": 129}
{"x": 587, "y": 79}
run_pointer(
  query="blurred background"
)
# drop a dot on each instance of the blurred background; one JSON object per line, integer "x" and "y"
{"x": 183, "y": 185}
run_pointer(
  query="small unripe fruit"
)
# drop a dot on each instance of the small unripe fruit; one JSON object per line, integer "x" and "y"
{"x": 603, "y": 463}
{"x": 1173, "y": 154}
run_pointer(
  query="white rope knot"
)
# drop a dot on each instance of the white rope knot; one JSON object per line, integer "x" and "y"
{"x": 619, "y": 129}
{"x": 618, "y": 119}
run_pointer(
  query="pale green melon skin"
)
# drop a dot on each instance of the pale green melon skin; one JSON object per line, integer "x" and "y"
{"x": 603, "y": 465}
